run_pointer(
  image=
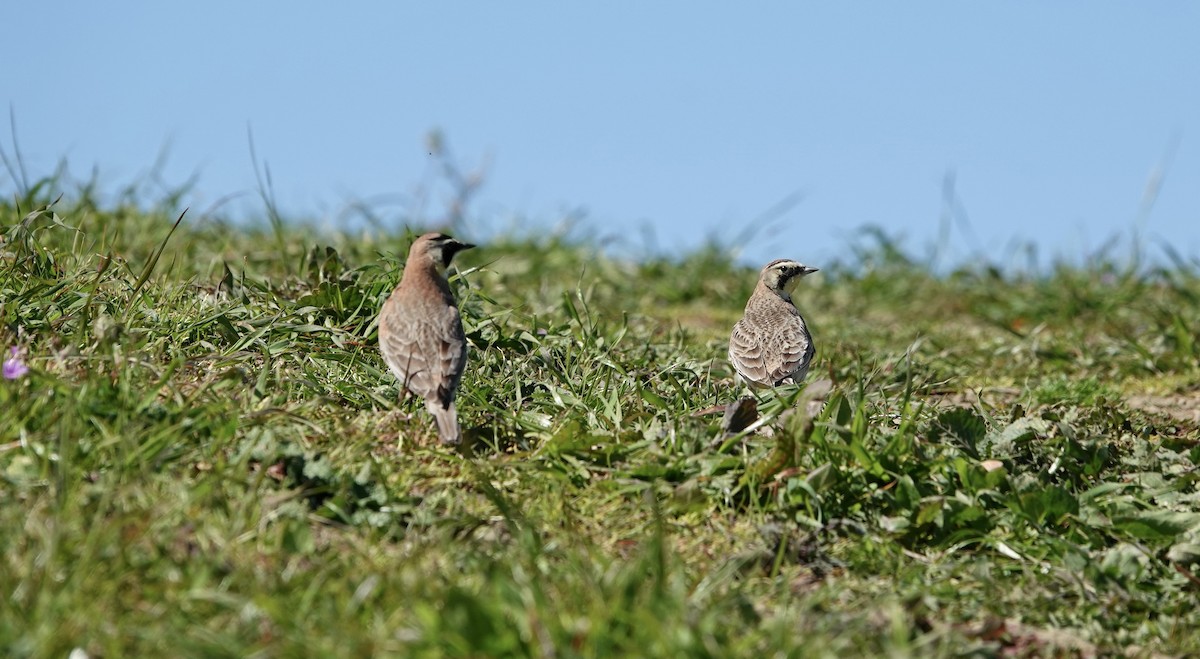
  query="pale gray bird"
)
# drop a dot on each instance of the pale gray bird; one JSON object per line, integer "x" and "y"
{"x": 420, "y": 331}
{"x": 771, "y": 345}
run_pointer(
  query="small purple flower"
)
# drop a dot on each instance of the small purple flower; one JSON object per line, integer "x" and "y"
{"x": 13, "y": 366}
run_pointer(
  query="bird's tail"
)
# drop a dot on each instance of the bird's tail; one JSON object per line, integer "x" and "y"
{"x": 447, "y": 421}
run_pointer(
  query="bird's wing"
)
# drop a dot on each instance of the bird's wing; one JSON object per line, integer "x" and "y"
{"x": 746, "y": 354}
{"x": 451, "y": 353}
{"x": 793, "y": 344}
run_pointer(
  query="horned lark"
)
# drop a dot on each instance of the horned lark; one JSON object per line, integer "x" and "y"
{"x": 771, "y": 345}
{"x": 420, "y": 331}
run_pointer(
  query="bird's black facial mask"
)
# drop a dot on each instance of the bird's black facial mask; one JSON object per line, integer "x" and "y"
{"x": 450, "y": 248}
{"x": 447, "y": 247}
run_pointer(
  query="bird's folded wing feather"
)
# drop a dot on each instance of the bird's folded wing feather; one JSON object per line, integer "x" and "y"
{"x": 795, "y": 348}
{"x": 746, "y": 353}
{"x": 452, "y": 353}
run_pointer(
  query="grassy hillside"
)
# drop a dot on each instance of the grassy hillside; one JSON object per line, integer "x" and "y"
{"x": 206, "y": 458}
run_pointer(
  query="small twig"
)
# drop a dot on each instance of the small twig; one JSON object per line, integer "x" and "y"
{"x": 1187, "y": 573}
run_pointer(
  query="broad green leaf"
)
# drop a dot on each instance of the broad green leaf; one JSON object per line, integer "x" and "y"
{"x": 1157, "y": 525}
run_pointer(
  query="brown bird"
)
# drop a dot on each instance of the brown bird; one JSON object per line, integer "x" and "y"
{"x": 771, "y": 345}
{"x": 420, "y": 331}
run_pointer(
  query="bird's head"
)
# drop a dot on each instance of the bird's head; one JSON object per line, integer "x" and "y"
{"x": 782, "y": 275}
{"x": 437, "y": 248}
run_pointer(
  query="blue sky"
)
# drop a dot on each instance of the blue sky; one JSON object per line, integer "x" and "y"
{"x": 688, "y": 118}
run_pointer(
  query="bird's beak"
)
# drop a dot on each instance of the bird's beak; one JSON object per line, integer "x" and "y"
{"x": 808, "y": 270}
{"x": 456, "y": 247}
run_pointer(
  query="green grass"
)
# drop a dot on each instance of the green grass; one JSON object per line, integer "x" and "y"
{"x": 203, "y": 460}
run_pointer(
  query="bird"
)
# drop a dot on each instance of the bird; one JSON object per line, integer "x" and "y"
{"x": 771, "y": 344}
{"x": 420, "y": 331}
